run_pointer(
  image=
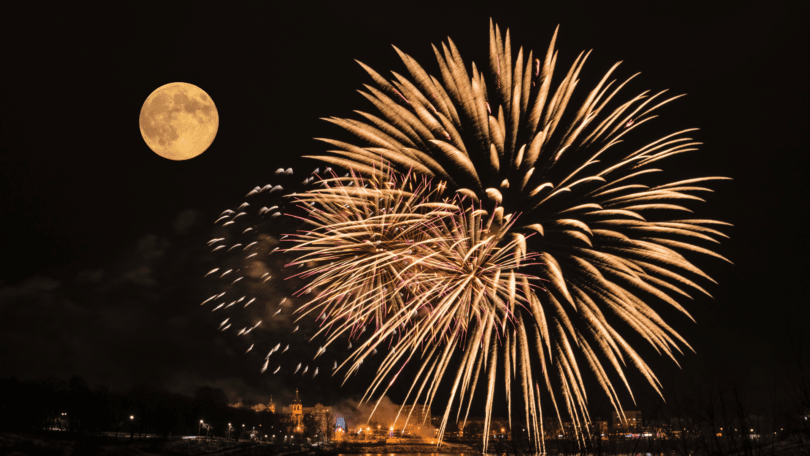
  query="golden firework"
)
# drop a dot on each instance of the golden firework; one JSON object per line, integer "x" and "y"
{"x": 548, "y": 181}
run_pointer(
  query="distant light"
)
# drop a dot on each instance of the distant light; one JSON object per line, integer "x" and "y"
{"x": 131, "y": 417}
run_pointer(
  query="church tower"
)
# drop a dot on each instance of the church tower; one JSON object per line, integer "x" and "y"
{"x": 297, "y": 413}
{"x": 271, "y": 405}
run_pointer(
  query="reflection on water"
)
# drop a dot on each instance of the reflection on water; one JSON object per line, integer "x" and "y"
{"x": 416, "y": 454}
{"x": 484, "y": 454}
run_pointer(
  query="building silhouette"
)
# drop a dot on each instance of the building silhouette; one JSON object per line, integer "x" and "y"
{"x": 294, "y": 416}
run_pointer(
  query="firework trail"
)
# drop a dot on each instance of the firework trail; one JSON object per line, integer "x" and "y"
{"x": 423, "y": 271}
{"x": 545, "y": 180}
{"x": 247, "y": 283}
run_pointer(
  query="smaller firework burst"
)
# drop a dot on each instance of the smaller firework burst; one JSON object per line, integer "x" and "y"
{"x": 430, "y": 274}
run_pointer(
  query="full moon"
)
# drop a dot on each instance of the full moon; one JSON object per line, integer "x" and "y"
{"x": 179, "y": 121}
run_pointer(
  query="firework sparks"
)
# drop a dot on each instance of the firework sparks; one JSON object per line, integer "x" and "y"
{"x": 425, "y": 271}
{"x": 367, "y": 243}
{"x": 246, "y": 275}
{"x": 548, "y": 181}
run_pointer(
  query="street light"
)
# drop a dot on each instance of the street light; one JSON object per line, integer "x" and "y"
{"x": 207, "y": 427}
{"x": 131, "y": 427}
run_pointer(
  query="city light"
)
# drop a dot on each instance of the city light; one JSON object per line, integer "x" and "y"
{"x": 319, "y": 436}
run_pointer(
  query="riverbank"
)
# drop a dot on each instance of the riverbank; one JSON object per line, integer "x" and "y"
{"x": 65, "y": 444}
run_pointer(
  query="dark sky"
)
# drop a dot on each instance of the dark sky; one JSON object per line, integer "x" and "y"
{"x": 103, "y": 241}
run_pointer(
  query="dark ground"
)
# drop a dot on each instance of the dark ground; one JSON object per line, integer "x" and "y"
{"x": 52, "y": 444}
{"x": 79, "y": 445}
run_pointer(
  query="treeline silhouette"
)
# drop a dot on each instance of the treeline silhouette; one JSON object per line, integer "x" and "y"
{"x": 72, "y": 405}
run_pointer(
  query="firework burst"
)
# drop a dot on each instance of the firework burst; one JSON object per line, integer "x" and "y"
{"x": 547, "y": 180}
{"x": 363, "y": 232}
{"x": 249, "y": 298}
{"x": 429, "y": 274}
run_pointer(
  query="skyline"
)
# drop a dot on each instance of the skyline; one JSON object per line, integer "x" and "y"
{"x": 108, "y": 283}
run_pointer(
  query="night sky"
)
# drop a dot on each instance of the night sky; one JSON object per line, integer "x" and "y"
{"x": 103, "y": 241}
